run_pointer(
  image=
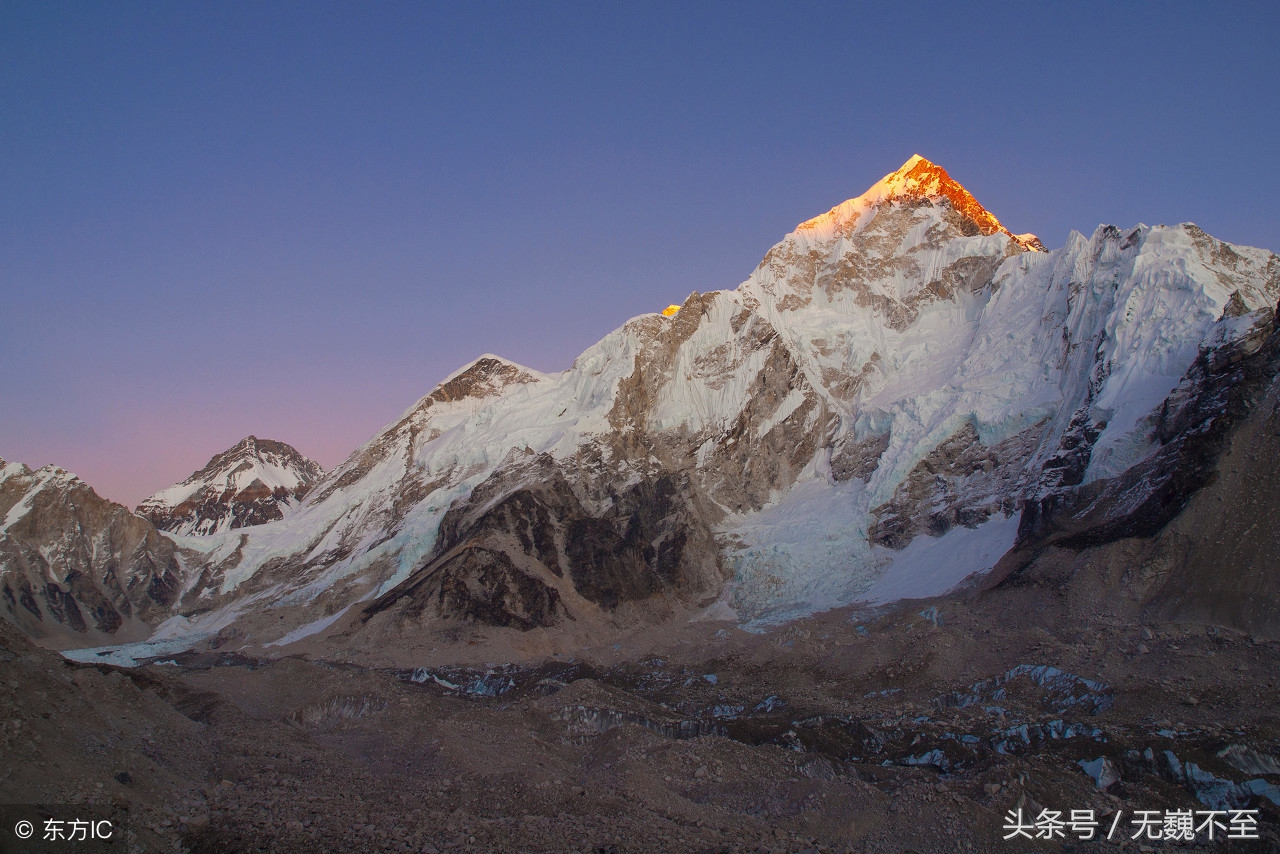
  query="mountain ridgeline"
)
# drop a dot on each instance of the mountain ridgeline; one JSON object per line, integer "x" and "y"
{"x": 900, "y": 378}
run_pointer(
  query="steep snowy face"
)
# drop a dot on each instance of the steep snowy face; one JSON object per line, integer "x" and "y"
{"x": 75, "y": 567}
{"x": 256, "y": 481}
{"x": 1051, "y": 374}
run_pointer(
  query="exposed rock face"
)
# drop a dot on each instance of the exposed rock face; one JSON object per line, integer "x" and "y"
{"x": 960, "y": 482}
{"x": 255, "y": 482}
{"x": 524, "y": 550}
{"x": 74, "y": 566}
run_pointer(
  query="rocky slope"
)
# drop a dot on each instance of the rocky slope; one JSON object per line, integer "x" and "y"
{"x": 903, "y": 732}
{"x": 900, "y": 393}
{"x": 76, "y": 568}
{"x": 256, "y": 481}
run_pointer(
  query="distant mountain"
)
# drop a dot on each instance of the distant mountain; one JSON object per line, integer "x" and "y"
{"x": 254, "y": 482}
{"x": 903, "y": 392}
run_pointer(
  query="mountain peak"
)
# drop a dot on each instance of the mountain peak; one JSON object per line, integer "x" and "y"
{"x": 250, "y": 483}
{"x": 921, "y": 178}
{"x": 251, "y": 446}
{"x": 484, "y": 377}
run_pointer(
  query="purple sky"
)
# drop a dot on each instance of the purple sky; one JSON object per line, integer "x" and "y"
{"x": 292, "y": 220}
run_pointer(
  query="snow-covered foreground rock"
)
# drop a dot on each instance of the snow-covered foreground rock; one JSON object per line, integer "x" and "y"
{"x": 867, "y": 417}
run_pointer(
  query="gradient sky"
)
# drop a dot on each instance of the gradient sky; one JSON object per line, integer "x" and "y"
{"x": 293, "y": 220}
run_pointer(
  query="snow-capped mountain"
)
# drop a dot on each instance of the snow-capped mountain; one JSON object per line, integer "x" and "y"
{"x": 256, "y": 481}
{"x": 871, "y": 415}
{"x": 891, "y": 383}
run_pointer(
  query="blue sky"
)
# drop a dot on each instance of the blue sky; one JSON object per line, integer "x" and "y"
{"x": 292, "y": 220}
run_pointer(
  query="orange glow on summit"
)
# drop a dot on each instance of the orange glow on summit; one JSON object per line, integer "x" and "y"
{"x": 919, "y": 178}
{"x": 670, "y": 310}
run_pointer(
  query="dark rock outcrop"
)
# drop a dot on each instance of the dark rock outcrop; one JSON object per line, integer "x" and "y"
{"x": 524, "y": 550}
{"x": 960, "y": 482}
